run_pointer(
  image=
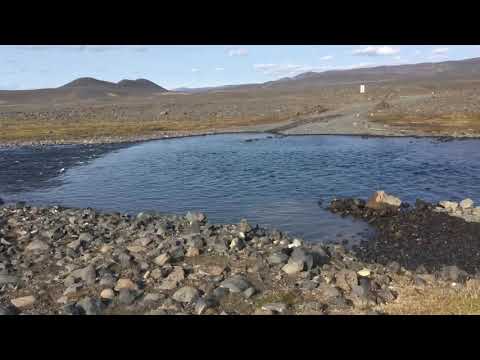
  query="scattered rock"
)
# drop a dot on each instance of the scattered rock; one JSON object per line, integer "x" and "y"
{"x": 37, "y": 245}
{"x": 293, "y": 267}
{"x": 236, "y": 284}
{"x": 126, "y": 296}
{"x": 466, "y": 204}
{"x": 380, "y": 199}
{"x": 186, "y": 294}
{"x": 125, "y": 284}
{"x": 107, "y": 294}
{"x": 275, "y": 307}
{"x": 162, "y": 259}
{"x": 24, "y": 302}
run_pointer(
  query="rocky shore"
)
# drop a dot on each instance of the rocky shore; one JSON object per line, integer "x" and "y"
{"x": 79, "y": 261}
{"x": 423, "y": 238}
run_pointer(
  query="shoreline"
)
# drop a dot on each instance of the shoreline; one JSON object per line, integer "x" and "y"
{"x": 58, "y": 260}
{"x": 141, "y": 139}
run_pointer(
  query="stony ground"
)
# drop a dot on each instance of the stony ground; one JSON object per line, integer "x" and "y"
{"x": 387, "y": 109}
{"x": 79, "y": 261}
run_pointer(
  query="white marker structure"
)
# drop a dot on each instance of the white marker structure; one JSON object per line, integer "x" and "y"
{"x": 362, "y": 89}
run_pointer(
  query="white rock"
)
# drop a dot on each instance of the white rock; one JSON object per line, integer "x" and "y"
{"x": 466, "y": 204}
{"x": 364, "y": 272}
{"x": 23, "y": 302}
{"x": 382, "y": 198}
{"x": 107, "y": 294}
{"x": 295, "y": 243}
{"x": 449, "y": 205}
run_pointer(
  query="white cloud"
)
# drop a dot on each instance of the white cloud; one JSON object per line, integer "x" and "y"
{"x": 219, "y": 68}
{"x": 376, "y": 51}
{"x": 440, "y": 50}
{"x": 194, "y": 70}
{"x": 327, "y": 57}
{"x": 238, "y": 52}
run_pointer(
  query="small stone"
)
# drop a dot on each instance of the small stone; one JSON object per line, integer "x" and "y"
{"x": 346, "y": 279}
{"x": 275, "y": 307}
{"x": 328, "y": 292}
{"x": 236, "y": 284}
{"x": 145, "y": 241}
{"x": 89, "y": 306}
{"x": 449, "y": 205}
{"x": 24, "y": 302}
{"x": 249, "y": 292}
{"x": 7, "y": 310}
{"x": 106, "y": 249}
{"x": 364, "y": 272}
{"x": 135, "y": 248}
{"x": 125, "y": 284}
{"x": 238, "y": 244}
{"x": 87, "y": 274}
{"x": 212, "y": 270}
{"x": 72, "y": 289}
{"x": 192, "y": 252}
{"x": 85, "y": 237}
{"x": 277, "y": 258}
{"x": 107, "y": 294}
{"x": 173, "y": 279}
{"x": 204, "y": 304}
{"x": 293, "y": 267}
{"x": 295, "y": 243}
{"x": 162, "y": 259}
{"x": 220, "y": 292}
{"x": 186, "y": 294}
{"x": 37, "y": 245}
{"x": 380, "y": 198}
{"x": 126, "y": 296}
{"x": 263, "y": 312}
{"x": 74, "y": 245}
{"x": 107, "y": 281}
{"x": 151, "y": 297}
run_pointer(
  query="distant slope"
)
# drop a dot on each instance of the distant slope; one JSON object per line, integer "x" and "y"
{"x": 90, "y": 89}
{"x": 449, "y": 70}
{"x": 85, "y": 88}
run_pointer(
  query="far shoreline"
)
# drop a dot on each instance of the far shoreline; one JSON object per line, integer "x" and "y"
{"x": 179, "y": 135}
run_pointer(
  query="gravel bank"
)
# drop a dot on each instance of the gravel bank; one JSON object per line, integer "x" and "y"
{"x": 79, "y": 261}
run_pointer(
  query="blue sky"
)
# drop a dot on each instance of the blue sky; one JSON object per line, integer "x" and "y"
{"x": 173, "y": 66}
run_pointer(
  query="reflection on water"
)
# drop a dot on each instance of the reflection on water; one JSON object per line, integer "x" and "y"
{"x": 274, "y": 182}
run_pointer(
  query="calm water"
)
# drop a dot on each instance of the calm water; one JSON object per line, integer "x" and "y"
{"x": 275, "y": 182}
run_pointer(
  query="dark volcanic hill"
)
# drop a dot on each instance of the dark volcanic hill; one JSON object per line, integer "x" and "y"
{"x": 86, "y": 88}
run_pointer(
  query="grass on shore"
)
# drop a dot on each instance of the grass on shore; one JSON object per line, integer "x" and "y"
{"x": 445, "y": 124}
{"x": 32, "y": 130}
{"x": 436, "y": 301}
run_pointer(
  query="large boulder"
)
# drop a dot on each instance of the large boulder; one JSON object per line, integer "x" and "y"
{"x": 381, "y": 199}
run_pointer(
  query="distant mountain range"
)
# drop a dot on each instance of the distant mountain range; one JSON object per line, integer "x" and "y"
{"x": 448, "y": 70}
{"x": 93, "y": 89}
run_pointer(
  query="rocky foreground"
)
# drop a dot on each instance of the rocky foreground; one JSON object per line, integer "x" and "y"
{"x": 79, "y": 261}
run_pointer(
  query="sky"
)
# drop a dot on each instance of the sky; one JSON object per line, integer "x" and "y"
{"x": 174, "y": 66}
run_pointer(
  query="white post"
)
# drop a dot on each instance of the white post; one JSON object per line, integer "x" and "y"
{"x": 362, "y": 89}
